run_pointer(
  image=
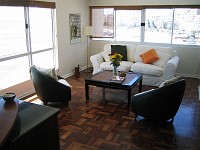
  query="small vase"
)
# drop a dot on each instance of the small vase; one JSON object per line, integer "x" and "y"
{"x": 115, "y": 72}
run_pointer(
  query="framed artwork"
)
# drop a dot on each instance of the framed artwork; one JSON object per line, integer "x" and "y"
{"x": 75, "y": 28}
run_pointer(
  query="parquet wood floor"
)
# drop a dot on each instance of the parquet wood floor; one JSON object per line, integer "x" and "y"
{"x": 105, "y": 123}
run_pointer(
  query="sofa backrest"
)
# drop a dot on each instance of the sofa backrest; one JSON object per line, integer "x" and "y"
{"x": 144, "y": 48}
{"x": 134, "y": 52}
{"x": 130, "y": 50}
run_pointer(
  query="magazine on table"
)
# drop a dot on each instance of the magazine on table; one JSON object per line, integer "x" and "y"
{"x": 117, "y": 79}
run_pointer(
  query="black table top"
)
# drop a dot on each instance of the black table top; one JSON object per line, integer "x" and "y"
{"x": 104, "y": 77}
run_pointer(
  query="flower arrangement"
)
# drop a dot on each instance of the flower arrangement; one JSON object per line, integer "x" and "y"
{"x": 115, "y": 61}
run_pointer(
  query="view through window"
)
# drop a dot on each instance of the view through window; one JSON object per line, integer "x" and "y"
{"x": 158, "y": 26}
{"x": 103, "y": 25}
{"x": 128, "y": 23}
{"x": 186, "y": 26}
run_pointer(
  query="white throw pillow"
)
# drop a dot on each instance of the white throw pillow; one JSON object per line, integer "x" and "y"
{"x": 51, "y": 72}
{"x": 130, "y": 52}
{"x": 163, "y": 59}
{"x": 170, "y": 81}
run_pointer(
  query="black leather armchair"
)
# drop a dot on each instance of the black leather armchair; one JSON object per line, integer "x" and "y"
{"x": 159, "y": 104}
{"x": 49, "y": 89}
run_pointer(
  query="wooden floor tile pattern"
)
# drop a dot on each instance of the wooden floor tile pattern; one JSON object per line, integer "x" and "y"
{"x": 105, "y": 122}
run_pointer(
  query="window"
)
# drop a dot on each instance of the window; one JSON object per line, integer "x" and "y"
{"x": 14, "y": 71}
{"x": 152, "y": 24}
{"x": 40, "y": 28}
{"x": 158, "y": 26}
{"x": 44, "y": 59}
{"x": 128, "y": 23}
{"x": 186, "y": 26}
{"x": 103, "y": 25}
{"x": 12, "y": 31}
{"x": 26, "y": 38}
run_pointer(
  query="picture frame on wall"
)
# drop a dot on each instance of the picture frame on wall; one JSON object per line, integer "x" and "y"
{"x": 75, "y": 28}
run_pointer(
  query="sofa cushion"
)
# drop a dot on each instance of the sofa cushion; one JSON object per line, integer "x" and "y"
{"x": 149, "y": 57}
{"x": 120, "y": 49}
{"x": 130, "y": 51}
{"x": 163, "y": 59}
{"x": 124, "y": 66}
{"x": 140, "y": 49}
{"x": 147, "y": 69}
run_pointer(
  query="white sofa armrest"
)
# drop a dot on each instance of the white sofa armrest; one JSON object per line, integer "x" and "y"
{"x": 170, "y": 68}
{"x": 96, "y": 60}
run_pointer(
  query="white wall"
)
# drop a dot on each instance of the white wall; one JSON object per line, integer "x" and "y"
{"x": 69, "y": 55}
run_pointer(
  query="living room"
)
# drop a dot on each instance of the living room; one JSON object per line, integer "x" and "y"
{"x": 72, "y": 55}
{"x": 76, "y": 54}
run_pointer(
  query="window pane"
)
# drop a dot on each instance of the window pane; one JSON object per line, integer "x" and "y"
{"x": 186, "y": 26}
{"x": 12, "y": 31}
{"x": 128, "y": 23}
{"x": 14, "y": 71}
{"x": 102, "y": 22}
{"x": 40, "y": 28}
{"x": 158, "y": 25}
{"x": 44, "y": 59}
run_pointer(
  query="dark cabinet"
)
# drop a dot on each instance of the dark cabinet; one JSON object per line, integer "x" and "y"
{"x": 36, "y": 127}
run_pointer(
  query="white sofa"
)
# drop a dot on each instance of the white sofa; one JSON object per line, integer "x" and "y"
{"x": 153, "y": 74}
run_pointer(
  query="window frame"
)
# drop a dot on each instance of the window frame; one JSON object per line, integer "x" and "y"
{"x": 29, "y": 53}
{"x": 143, "y": 8}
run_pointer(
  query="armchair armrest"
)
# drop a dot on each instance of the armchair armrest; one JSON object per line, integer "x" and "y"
{"x": 96, "y": 60}
{"x": 174, "y": 60}
{"x": 170, "y": 68}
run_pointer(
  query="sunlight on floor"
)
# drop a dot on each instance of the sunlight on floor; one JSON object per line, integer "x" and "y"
{"x": 33, "y": 99}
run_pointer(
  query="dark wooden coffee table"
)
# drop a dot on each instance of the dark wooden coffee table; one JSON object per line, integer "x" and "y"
{"x": 102, "y": 79}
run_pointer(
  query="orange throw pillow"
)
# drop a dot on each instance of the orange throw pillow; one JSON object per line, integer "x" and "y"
{"x": 149, "y": 57}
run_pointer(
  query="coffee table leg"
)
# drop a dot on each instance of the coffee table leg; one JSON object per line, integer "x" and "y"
{"x": 129, "y": 98}
{"x": 86, "y": 91}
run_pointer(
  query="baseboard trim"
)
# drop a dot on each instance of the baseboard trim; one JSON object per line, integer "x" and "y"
{"x": 187, "y": 75}
{"x": 72, "y": 73}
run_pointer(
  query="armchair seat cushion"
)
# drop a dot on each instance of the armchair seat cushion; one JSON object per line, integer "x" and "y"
{"x": 124, "y": 66}
{"x": 147, "y": 69}
{"x": 63, "y": 81}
